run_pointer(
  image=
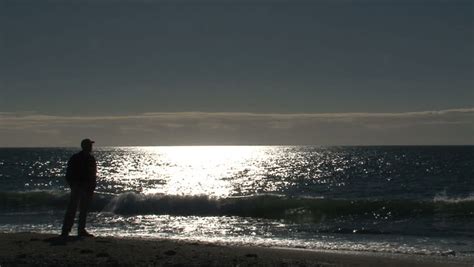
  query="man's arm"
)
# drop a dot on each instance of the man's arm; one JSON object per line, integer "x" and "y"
{"x": 72, "y": 175}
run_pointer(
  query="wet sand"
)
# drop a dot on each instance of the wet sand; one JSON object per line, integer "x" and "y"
{"x": 32, "y": 249}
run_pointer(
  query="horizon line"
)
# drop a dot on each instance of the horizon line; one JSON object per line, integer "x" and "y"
{"x": 247, "y": 145}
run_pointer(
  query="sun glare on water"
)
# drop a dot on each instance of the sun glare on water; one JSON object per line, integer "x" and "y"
{"x": 201, "y": 170}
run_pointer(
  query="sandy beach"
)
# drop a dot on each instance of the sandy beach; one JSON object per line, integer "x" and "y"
{"x": 33, "y": 249}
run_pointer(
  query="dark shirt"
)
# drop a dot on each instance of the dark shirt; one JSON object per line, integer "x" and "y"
{"x": 82, "y": 170}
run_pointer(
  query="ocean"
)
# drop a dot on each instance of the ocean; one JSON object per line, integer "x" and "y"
{"x": 396, "y": 199}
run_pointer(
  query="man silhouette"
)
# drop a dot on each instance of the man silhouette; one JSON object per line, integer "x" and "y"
{"x": 81, "y": 175}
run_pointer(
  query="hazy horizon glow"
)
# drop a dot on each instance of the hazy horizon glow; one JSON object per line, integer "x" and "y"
{"x": 441, "y": 127}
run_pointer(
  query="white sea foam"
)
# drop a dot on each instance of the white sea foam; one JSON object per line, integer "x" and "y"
{"x": 443, "y": 197}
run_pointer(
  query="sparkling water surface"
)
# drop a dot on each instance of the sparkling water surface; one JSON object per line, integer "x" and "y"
{"x": 398, "y": 199}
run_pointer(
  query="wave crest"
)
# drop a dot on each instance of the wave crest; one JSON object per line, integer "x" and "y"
{"x": 259, "y": 206}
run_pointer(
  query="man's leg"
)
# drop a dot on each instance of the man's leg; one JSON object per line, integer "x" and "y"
{"x": 86, "y": 197}
{"x": 70, "y": 212}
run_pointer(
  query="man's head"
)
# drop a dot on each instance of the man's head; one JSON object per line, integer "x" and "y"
{"x": 86, "y": 145}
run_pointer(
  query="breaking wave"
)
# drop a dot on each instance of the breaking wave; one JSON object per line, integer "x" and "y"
{"x": 259, "y": 206}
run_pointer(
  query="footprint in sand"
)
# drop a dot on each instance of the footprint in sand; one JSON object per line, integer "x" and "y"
{"x": 103, "y": 241}
{"x": 21, "y": 256}
{"x": 102, "y": 255}
{"x": 86, "y": 251}
{"x": 170, "y": 253}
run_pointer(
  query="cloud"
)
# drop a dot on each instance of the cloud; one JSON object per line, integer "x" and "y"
{"x": 453, "y": 126}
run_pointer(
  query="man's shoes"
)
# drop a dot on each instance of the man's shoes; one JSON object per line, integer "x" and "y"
{"x": 84, "y": 233}
{"x": 64, "y": 234}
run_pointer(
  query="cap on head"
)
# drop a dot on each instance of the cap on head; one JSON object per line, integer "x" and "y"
{"x": 86, "y": 143}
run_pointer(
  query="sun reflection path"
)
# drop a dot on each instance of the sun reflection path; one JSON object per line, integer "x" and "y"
{"x": 214, "y": 171}
{"x": 203, "y": 170}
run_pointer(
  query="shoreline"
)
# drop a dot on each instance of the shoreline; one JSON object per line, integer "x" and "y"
{"x": 34, "y": 249}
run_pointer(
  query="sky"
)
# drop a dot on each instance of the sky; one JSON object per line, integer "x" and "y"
{"x": 192, "y": 72}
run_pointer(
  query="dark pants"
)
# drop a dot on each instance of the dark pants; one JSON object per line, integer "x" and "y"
{"x": 82, "y": 196}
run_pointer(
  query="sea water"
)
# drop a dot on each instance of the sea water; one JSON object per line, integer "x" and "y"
{"x": 397, "y": 199}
